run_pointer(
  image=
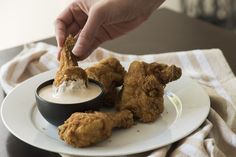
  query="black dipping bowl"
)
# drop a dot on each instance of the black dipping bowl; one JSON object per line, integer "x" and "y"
{"x": 57, "y": 113}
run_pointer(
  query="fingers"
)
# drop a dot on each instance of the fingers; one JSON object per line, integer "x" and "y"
{"x": 59, "y": 54}
{"x": 86, "y": 40}
{"x": 72, "y": 20}
{"x": 73, "y": 29}
{"x": 92, "y": 47}
{"x": 68, "y": 22}
{"x": 60, "y": 30}
{"x": 63, "y": 20}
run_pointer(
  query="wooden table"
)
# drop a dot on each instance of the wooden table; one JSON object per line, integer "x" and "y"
{"x": 165, "y": 31}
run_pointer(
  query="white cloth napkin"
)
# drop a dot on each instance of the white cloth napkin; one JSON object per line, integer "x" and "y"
{"x": 214, "y": 138}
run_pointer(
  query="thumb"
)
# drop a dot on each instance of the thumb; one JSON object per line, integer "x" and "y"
{"x": 88, "y": 33}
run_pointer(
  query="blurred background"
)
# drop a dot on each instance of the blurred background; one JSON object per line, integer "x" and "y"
{"x": 24, "y": 21}
{"x": 218, "y": 12}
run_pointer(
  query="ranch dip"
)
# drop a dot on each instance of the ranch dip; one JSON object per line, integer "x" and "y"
{"x": 70, "y": 92}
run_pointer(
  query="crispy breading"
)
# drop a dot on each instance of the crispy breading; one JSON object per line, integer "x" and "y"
{"x": 85, "y": 129}
{"x": 69, "y": 69}
{"x": 143, "y": 89}
{"x": 110, "y": 73}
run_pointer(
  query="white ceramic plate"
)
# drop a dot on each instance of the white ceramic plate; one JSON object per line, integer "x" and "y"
{"x": 186, "y": 107}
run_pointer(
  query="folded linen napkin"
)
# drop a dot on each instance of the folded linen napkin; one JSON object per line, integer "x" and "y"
{"x": 214, "y": 138}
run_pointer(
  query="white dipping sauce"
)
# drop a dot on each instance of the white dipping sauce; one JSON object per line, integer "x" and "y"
{"x": 70, "y": 96}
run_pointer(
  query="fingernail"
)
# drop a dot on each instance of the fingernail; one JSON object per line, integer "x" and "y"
{"x": 58, "y": 43}
{"x": 76, "y": 48}
{"x": 59, "y": 53}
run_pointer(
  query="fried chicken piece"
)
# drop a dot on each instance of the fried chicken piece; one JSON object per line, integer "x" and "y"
{"x": 85, "y": 129}
{"x": 143, "y": 89}
{"x": 110, "y": 73}
{"x": 69, "y": 69}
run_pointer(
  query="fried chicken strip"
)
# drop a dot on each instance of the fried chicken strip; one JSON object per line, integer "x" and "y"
{"x": 85, "y": 129}
{"x": 143, "y": 89}
{"x": 110, "y": 73}
{"x": 69, "y": 70}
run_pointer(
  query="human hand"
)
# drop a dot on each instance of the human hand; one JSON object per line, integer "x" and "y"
{"x": 96, "y": 21}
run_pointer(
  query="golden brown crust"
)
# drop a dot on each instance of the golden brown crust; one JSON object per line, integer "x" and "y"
{"x": 123, "y": 119}
{"x": 111, "y": 74}
{"x": 69, "y": 69}
{"x": 85, "y": 129}
{"x": 143, "y": 89}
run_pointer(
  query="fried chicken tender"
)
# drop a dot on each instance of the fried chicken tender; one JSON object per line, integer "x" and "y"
{"x": 111, "y": 74}
{"x": 85, "y": 129}
{"x": 69, "y": 69}
{"x": 143, "y": 89}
